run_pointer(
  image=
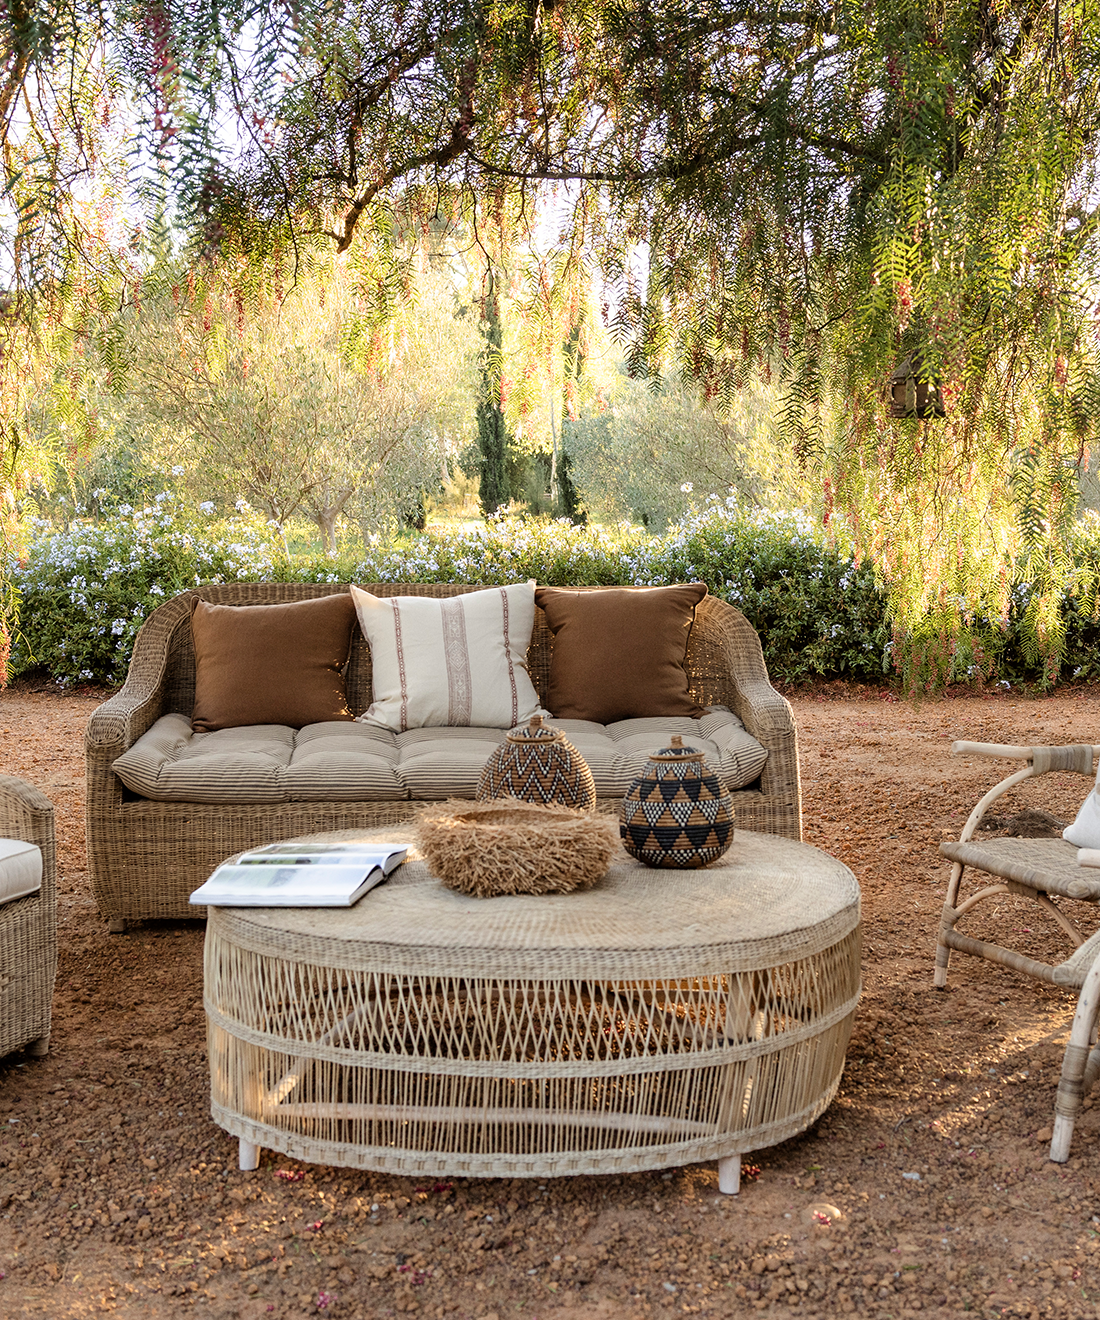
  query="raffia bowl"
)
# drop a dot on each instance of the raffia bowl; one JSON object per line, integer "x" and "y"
{"x": 505, "y": 846}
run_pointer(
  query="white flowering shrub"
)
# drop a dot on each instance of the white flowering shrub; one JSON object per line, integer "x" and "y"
{"x": 818, "y": 613}
{"x": 510, "y": 549}
{"x": 85, "y": 593}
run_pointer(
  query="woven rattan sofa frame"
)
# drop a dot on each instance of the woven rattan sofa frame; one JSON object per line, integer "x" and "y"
{"x": 146, "y": 857}
{"x": 28, "y": 926}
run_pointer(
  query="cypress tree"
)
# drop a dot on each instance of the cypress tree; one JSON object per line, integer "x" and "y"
{"x": 492, "y": 433}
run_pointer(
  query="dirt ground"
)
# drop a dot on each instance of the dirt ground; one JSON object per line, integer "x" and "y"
{"x": 118, "y": 1193}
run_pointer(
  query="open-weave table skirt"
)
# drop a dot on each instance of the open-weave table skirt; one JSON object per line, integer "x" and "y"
{"x": 437, "y": 1072}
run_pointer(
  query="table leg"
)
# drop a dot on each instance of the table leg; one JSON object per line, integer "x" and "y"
{"x": 729, "y": 1175}
{"x": 249, "y": 1155}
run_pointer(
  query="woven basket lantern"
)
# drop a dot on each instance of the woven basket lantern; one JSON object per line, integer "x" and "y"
{"x": 676, "y": 814}
{"x": 536, "y": 763}
{"x": 511, "y": 847}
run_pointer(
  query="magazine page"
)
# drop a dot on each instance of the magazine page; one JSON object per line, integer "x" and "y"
{"x": 316, "y": 885}
{"x": 345, "y": 854}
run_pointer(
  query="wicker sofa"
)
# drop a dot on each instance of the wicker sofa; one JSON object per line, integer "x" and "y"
{"x": 146, "y": 856}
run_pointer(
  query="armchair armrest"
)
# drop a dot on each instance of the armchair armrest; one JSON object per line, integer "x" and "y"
{"x": 27, "y": 814}
{"x": 1074, "y": 759}
{"x": 1077, "y": 758}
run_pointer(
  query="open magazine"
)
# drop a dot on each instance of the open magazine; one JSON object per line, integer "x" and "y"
{"x": 282, "y": 875}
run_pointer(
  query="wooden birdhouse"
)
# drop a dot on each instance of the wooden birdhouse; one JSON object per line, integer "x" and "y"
{"x": 911, "y": 396}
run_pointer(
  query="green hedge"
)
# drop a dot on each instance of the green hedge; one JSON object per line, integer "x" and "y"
{"x": 85, "y": 592}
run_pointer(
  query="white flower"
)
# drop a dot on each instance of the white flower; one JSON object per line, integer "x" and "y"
{"x": 118, "y": 627}
{"x": 177, "y": 471}
{"x": 207, "y": 506}
{"x": 125, "y": 509}
{"x": 242, "y": 506}
{"x": 687, "y": 487}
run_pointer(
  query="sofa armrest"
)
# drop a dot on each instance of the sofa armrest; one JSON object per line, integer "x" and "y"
{"x": 770, "y": 720}
{"x": 748, "y": 692}
{"x": 27, "y": 814}
{"x": 123, "y": 718}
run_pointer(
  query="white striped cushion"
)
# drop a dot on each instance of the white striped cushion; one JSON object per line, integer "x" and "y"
{"x": 455, "y": 661}
{"x": 341, "y": 762}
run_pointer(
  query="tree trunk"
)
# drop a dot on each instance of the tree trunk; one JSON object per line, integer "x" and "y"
{"x": 492, "y": 435}
{"x": 326, "y": 521}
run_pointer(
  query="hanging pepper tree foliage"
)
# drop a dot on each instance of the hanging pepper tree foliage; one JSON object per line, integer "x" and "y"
{"x": 65, "y": 249}
{"x": 806, "y": 193}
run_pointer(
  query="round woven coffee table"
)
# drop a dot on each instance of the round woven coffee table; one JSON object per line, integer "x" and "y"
{"x": 660, "y": 1018}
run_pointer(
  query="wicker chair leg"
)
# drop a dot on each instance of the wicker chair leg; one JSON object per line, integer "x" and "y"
{"x": 38, "y": 1049}
{"x": 947, "y": 922}
{"x": 116, "y": 926}
{"x": 1071, "y": 1089}
{"x": 248, "y": 1157}
{"x": 943, "y": 959}
{"x": 729, "y": 1175}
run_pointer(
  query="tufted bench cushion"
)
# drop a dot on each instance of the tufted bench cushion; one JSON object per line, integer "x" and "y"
{"x": 270, "y": 763}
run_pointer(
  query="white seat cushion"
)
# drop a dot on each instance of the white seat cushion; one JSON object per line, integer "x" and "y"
{"x": 1085, "y": 830}
{"x": 20, "y": 869}
{"x": 339, "y": 762}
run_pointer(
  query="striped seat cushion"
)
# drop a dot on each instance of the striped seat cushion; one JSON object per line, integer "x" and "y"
{"x": 340, "y": 762}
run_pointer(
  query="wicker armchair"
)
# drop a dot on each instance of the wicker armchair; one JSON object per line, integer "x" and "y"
{"x": 1042, "y": 870}
{"x": 28, "y": 926}
{"x": 146, "y": 857}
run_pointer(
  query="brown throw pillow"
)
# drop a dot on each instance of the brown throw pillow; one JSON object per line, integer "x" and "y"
{"x": 619, "y": 653}
{"x": 271, "y": 664}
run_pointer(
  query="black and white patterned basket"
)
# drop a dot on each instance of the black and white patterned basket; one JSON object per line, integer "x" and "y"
{"x": 677, "y": 814}
{"x": 536, "y": 763}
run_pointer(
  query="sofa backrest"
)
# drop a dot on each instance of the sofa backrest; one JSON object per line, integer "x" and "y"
{"x": 711, "y": 683}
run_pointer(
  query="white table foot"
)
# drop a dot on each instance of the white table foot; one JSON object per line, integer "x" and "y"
{"x": 1063, "y": 1136}
{"x": 249, "y": 1157}
{"x": 729, "y": 1175}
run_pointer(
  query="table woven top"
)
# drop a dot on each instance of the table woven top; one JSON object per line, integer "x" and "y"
{"x": 768, "y": 901}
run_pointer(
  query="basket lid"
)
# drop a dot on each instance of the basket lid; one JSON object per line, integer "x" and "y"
{"x": 677, "y": 752}
{"x": 535, "y": 732}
